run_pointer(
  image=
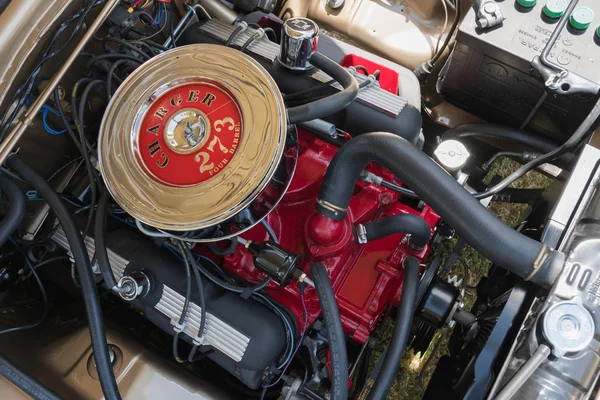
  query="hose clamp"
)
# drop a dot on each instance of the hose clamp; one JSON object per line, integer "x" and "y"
{"x": 332, "y": 208}
{"x": 411, "y": 245}
{"x": 361, "y": 234}
{"x": 539, "y": 261}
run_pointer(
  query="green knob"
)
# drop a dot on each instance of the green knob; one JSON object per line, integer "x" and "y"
{"x": 598, "y": 32}
{"x": 555, "y": 8}
{"x": 527, "y": 3}
{"x": 582, "y": 17}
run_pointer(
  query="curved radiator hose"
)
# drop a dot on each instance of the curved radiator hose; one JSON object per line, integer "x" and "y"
{"x": 397, "y": 345}
{"x": 86, "y": 276}
{"x": 331, "y": 104}
{"x": 501, "y": 132}
{"x": 335, "y": 332}
{"x": 15, "y": 210}
{"x": 481, "y": 229}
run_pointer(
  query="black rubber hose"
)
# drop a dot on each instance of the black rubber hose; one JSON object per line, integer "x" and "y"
{"x": 400, "y": 223}
{"x": 25, "y": 382}
{"x": 577, "y": 138}
{"x": 396, "y": 188}
{"x": 16, "y": 208}
{"x": 227, "y": 251}
{"x": 520, "y": 196}
{"x": 397, "y": 344}
{"x": 482, "y": 229}
{"x": 335, "y": 332}
{"x": 331, "y": 104}
{"x": 100, "y": 245}
{"x": 86, "y": 277}
{"x": 501, "y": 132}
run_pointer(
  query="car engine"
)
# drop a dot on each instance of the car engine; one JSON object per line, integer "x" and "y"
{"x": 271, "y": 199}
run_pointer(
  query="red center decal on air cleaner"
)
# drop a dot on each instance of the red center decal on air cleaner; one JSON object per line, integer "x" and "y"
{"x": 190, "y": 134}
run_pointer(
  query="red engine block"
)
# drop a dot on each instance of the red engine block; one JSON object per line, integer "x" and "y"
{"x": 366, "y": 278}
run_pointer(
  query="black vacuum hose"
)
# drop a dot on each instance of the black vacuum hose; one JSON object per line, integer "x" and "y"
{"x": 25, "y": 382}
{"x": 100, "y": 245}
{"x": 86, "y": 276}
{"x": 397, "y": 344}
{"x": 400, "y": 223}
{"x": 482, "y": 229}
{"x": 15, "y": 210}
{"x": 501, "y": 132}
{"x": 331, "y": 104}
{"x": 335, "y": 332}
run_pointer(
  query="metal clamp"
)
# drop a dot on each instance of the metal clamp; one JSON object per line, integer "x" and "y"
{"x": 539, "y": 261}
{"x": 361, "y": 234}
{"x": 555, "y": 81}
{"x": 370, "y": 177}
{"x": 489, "y": 14}
{"x": 332, "y": 208}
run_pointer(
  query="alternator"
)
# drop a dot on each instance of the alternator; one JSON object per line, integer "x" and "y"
{"x": 193, "y": 138}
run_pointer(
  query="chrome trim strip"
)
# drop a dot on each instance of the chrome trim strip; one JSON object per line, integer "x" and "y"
{"x": 217, "y": 333}
{"x": 117, "y": 263}
{"x": 372, "y": 95}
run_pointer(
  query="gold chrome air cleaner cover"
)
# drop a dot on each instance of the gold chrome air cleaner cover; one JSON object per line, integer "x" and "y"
{"x": 192, "y": 137}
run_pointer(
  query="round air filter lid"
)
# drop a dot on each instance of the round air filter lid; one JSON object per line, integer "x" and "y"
{"x": 192, "y": 137}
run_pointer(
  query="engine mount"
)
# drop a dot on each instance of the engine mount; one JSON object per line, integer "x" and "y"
{"x": 193, "y": 137}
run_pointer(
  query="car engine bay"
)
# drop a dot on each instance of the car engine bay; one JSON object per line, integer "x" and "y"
{"x": 208, "y": 199}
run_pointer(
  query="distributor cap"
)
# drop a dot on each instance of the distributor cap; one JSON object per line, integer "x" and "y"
{"x": 192, "y": 137}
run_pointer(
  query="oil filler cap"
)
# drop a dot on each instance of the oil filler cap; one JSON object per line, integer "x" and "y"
{"x": 299, "y": 38}
{"x": 582, "y": 17}
{"x": 555, "y": 8}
